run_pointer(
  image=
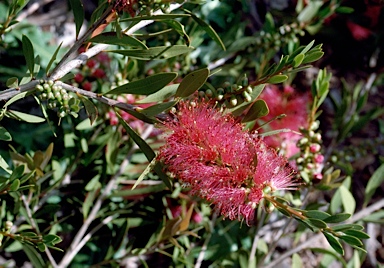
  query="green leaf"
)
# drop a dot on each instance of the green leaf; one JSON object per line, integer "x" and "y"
{"x": 192, "y": 82}
{"x": 5, "y": 135}
{"x": 158, "y": 108}
{"x": 89, "y": 201}
{"x": 163, "y": 94}
{"x": 376, "y": 217}
{"x": 78, "y": 13}
{"x": 28, "y": 53}
{"x": 162, "y": 52}
{"x": 4, "y": 165}
{"x": 318, "y": 223}
{"x": 307, "y": 47}
{"x": 258, "y": 109}
{"x": 347, "y": 199}
{"x": 357, "y": 233}
{"x": 276, "y": 79}
{"x": 337, "y": 218}
{"x": 139, "y": 191}
{"x": 179, "y": 28}
{"x": 146, "y": 86}
{"x": 374, "y": 182}
{"x": 348, "y": 226}
{"x": 207, "y": 28}
{"x": 146, "y": 171}
{"x": 331, "y": 253}
{"x": 310, "y": 11}
{"x": 12, "y": 82}
{"x": 147, "y": 150}
{"x": 156, "y": 17}
{"x": 24, "y": 117}
{"x": 53, "y": 58}
{"x": 311, "y": 57}
{"x": 298, "y": 60}
{"x": 15, "y": 185}
{"x": 316, "y": 214}
{"x": 35, "y": 257}
{"x": 112, "y": 38}
{"x": 335, "y": 244}
{"x": 351, "y": 240}
{"x": 90, "y": 108}
{"x": 297, "y": 262}
{"x": 52, "y": 239}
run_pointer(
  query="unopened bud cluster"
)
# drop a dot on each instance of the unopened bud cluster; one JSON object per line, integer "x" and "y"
{"x": 311, "y": 160}
{"x": 58, "y": 99}
{"x": 357, "y": 151}
{"x": 230, "y": 94}
{"x": 282, "y": 36}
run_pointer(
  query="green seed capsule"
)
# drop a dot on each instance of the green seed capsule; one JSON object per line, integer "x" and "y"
{"x": 63, "y": 91}
{"x": 249, "y": 89}
{"x": 50, "y": 83}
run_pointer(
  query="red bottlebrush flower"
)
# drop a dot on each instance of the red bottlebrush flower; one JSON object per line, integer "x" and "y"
{"x": 358, "y": 32}
{"x": 294, "y": 106}
{"x": 220, "y": 162}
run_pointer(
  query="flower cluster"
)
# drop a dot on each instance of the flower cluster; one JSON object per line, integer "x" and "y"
{"x": 294, "y": 106}
{"x": 92, "y": 71}
{"x": 210, "y": 153}
{"x": 311, "y": 160}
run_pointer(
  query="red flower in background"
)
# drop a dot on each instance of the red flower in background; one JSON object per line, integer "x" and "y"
{"x": 295, "y": 107}
{"x": 220, "y": 162}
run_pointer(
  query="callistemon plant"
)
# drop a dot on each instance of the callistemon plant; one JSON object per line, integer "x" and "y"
{"x": 219, "y": 161}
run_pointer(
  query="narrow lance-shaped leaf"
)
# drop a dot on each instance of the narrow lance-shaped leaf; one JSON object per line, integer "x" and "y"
{"x": 337, "y": 218}
{"x": 179, "y": 28}
{"x": 78, "y": 13}
{"x": 192, "y": 82}
{"x": 208, "y": 29}
{"x": 24, "y": 117}
{"x": 113, "y": 38}
{"x": 147, "y": 150}
{"x": 52, "y": 60}
{"x": 4, "y": 134}
{"x": 374, "y": 182}
{"x": 162, "y": 52}
{"x": 146, "y": 86}
{"x": 28, "y": 54}
{"x": 90, "y": 108}
{"x": 335, "y": 244}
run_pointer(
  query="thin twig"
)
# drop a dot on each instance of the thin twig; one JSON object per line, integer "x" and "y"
{"x": 256, "y": 239}
{"x": 74, "y": 248}
{"x": 203, "y": 250}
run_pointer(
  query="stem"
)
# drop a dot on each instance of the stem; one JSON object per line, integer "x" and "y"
{"x": 252, "y": 254}
{"x": 311, "y": 241}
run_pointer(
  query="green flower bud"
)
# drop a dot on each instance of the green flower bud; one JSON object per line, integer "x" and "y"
{"x": 233, "y": 100}
{"x": 246, "y": 96}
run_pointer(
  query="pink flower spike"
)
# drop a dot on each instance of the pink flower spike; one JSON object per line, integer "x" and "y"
{"x": 229, "y": 167}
